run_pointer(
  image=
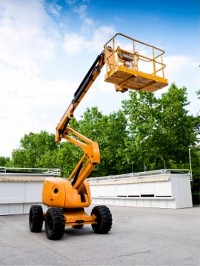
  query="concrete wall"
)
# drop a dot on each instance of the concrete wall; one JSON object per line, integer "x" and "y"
{"x": 158, "y": 189}
{"x": 19, "y": 192}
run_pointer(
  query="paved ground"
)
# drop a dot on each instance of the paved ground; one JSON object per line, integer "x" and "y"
{"x": 139, "y": 236}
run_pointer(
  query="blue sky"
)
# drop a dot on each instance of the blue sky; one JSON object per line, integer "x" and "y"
{"x": 46, "y": 48}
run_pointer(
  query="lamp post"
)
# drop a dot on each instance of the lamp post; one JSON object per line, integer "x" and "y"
{"x": 190, "y": 162}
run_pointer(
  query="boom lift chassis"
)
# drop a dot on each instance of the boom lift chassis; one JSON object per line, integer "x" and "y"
{"x": 67, "y": 198}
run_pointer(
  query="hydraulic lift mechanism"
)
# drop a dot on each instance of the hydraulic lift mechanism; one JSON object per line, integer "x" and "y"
{"x": 130, "y": 65}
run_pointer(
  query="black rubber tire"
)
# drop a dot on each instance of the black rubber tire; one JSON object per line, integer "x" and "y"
{"x": 103, "y": 219}
{"x": 54, "y": 223}
{"x": 36, "y": 218}
{"x": 78, "y": 226}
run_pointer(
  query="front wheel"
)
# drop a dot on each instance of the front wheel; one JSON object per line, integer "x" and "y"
{"x": 54, "y": 223}
{"x": 103, "y": 219}
{"x": 35, "y": 218}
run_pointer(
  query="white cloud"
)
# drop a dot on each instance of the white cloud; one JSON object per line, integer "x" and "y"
{"x": 81, "y": 10}
{"x": 54, "y": 9}
{"x": 24, "y": 41}
{"x": 184, "y": 71}
{"x": 76, "y": 43}
{"x": 30, "y": 42}
{"x": 30, "y": 104}
{"x": 91, "y": 35}
{"x": 71, "y": 2}
{"x": 26, "y": 46}
{"x": 101, "y": 36}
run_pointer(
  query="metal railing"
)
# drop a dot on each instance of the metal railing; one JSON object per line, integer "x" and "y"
{"x": 144, "y": 174}
{"x": 145, "y": 57}
{"x": 30, "y": 171}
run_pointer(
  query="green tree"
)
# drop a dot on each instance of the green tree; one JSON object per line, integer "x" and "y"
{"x": 109, "y": 131}
{"x": 160, "y": 130}
{"x": 142, "y": 113}
{"x": 4, "y": 161}
{"x": 67, "y": 158}
{"x": 112, "y": 144}
{"x": 34, "y": 150}
{"x": 175, "y": 132}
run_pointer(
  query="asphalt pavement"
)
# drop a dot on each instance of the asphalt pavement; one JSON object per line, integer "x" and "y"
{"x": 139, "y": 236}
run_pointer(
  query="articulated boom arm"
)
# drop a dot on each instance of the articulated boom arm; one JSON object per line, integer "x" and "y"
{"x": 137, "y": 67}
{"x": 90, "y": 149}
{"x": 79, "y": 94}
{"x": 90, "y": 158}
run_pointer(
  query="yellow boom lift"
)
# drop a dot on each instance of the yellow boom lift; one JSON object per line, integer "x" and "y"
{"x": 130, "y": 65}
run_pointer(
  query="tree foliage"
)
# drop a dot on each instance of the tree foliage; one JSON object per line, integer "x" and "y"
{"x": 109, "y": 131}
{"x": 160, "y": 130}
{"x": 4, "y": 161}
{"x": 35, "y": 150}
{"x": 176, "y": 130}
{"x": 141, "y": 113}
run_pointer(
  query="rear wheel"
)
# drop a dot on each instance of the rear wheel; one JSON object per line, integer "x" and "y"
{"x": 103, "y": 219}
{"x": 35, "y": 218}
{"x": 54, "y": 223}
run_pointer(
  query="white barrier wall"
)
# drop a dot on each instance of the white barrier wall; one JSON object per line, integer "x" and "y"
{"x": 160, "y": 190}
{"x": 163, "y": 189}
{"x": 19, "y": 192}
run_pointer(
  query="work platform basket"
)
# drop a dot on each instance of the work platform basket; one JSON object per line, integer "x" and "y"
{"x": 131, "y": 64}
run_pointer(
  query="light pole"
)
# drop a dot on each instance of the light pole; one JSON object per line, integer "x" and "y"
{"x": 190, "y": 162}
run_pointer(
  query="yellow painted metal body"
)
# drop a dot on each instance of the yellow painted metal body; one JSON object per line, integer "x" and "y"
{"x": 78, "y": 217}
{"x": 59, "y": 192}
{"x": 91, "y": 155}
{"x": 126, "y": 78}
